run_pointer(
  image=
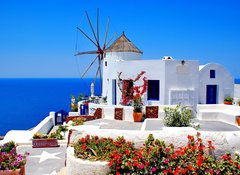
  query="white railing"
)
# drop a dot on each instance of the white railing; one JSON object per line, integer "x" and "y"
{"x": 22, "y": 136}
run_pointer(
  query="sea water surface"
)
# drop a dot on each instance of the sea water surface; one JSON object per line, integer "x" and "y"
{"x": 25, "y": 102}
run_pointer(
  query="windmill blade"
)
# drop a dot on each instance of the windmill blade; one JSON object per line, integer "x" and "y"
{"x": 89, "y": 66}
{"x": 106, "y": 34}
{"x": 84, "y": 53}
{"x": 111, "y": 39}
{"x": 87, "y": 36}
{"x": 98, "y": 24}
{"x": 92, "y": 28}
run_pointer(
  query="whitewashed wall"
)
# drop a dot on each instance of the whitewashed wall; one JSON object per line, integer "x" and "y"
{"x": 223, "y": 80}
{"x": 180, "y": 76}
{"x": 170, "y": 73}
{"x": 154, "y": 71}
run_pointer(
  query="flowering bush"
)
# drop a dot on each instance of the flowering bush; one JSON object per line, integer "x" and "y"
{"x": 7, "y": 147}
{"x": 131, "y": 93}
{"x": 195, "y": 158}
{"x": 95, "y": 148}
{"x": 155, "y": 157}
{"x": 9, "y": 159}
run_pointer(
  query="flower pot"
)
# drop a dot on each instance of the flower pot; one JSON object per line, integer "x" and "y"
{"x": 137, "y": 116}
{"x": 238, "y": 120}
{"x": 227, "y": 102}
{"x": 45, "y": 143}
{"x": 20, "y": 171}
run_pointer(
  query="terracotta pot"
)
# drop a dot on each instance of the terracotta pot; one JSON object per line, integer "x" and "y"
{"x": 44, "y": 143}
{"x": 238, "y": 120}
{"x": 137, "y": 116}
{"x": 227, "y": 102}
{"x": 20, "y": 171}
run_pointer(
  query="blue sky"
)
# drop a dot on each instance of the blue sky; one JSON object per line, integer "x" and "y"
{"x": 38, "y": 38}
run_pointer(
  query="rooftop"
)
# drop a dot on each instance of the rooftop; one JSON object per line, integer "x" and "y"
{"x": 123, "y": 44}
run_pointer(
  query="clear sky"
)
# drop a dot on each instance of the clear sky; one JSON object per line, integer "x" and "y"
{"x": 38, "y": 37}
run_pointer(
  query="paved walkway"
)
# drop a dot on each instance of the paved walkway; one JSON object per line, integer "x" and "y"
{"x": 158, "y": 125}
{"x": 44, "y": 161}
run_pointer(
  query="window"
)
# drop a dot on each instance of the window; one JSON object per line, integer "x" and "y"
{"x": 153, "y": 90}
{"x": 105, "y": 63}
{"x": 212, "y": 74}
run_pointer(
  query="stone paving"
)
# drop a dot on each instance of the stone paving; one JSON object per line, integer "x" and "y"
{"x": 115, "y": 124}
{"x": 43, "y": 161}
{"x": 158, "y": 125}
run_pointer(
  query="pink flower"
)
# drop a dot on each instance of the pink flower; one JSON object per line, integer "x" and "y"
{"x": 167, "y": 150}
{"x": 165, "y": 161}
{"x": 154, "y": 169}
{"x": 141, "y": 166}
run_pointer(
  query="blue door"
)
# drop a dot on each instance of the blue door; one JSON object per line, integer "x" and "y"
{"x": 114, "y": 92}
{"x": 211, "y": 94}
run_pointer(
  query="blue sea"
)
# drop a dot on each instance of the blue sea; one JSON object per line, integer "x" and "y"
{"x": 25, "y": 102}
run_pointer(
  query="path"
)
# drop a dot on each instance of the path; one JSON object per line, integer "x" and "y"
{"x": 44, "y": 161}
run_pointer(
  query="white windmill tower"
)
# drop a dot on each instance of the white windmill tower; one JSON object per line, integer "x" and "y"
{"x": 122, "y": 49}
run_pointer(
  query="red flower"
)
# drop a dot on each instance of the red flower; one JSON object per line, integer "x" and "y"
{"x": 83, "y": 140}
{"x": 189, "y": 167}
{"x": 110, "y": 163}
{"x": 224, "y": 157}
{"x": 199, "y": 163}
{"x": 165, "y": 171}
{"x": 127, "y": 152}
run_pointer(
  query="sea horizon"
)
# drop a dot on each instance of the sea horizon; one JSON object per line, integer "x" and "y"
{"x": 24, "y": 102}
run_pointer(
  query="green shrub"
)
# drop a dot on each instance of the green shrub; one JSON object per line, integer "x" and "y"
{"x": 179, "y": 116}
{"x": 228, "y": 98}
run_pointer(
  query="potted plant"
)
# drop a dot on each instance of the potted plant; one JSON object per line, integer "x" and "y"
{"x": 44, "y": 141}
{"x": 228, "y": 100}
{"x": 137, "y": 108}
{"x": 132, "y": 94}
{"x": 11, "y": 163}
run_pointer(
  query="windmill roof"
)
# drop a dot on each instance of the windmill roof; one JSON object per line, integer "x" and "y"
{"x": 123, "y": 44}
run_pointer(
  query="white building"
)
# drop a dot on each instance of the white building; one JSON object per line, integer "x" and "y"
{"x": 169, "y": 81}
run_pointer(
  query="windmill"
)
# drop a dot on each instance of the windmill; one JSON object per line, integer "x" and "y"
{"x": 100, "y": 48}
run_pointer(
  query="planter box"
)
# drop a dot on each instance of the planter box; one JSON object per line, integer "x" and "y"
{"x": 228, "y": 102}
{"x": 20, "y": 171}
{"x": 44, "y": 143}
{"x": 77, "y": 166}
